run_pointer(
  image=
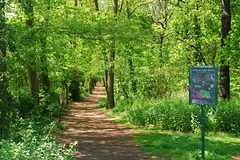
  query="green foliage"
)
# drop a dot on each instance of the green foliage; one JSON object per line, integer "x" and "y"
{"x": 24, "y": 102}
{"x": 31, "y": 127}
{"x": 102, "y": 102}
{"x": 68, "y": 43}
{"x": 29, "y": 143}
{"x": 227, "y": 116}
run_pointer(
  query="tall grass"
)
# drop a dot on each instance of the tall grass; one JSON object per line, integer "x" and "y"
{"x": 177, "y": 114}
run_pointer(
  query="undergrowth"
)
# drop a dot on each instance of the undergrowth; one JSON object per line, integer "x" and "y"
{"x": 29, "y": 141}
{"x": 176, "y": 114}
{"x": 31, "y": 129}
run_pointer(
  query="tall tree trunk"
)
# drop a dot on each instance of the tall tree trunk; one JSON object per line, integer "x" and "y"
{"x": 224, "y": 68}
{"x": 4, "y": 104}
{"x": 44, "y": 74}
{"x": 115, "y": 7}
{"x": 110, "y": 78}
{"x": 31, "y": 65}
{"x": 90, "y": 84}
{"x": 132, "y": 75}
{"x": 32, "y": 78}
{"x": 67, "y": 92}
{"x": 160, "y": 54}
{"x": 96, "y": 5}
{"x": 106, "y": 71}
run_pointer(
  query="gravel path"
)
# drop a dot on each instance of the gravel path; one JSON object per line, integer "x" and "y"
{"x": 98, "y": 136}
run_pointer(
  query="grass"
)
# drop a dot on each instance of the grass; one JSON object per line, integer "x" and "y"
{"x": 185, "y": 146}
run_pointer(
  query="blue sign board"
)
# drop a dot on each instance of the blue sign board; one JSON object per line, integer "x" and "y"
{"x": 203, "y": 85}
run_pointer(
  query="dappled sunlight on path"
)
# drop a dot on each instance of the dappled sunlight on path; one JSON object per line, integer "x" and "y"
{"x": 98, "y": 136}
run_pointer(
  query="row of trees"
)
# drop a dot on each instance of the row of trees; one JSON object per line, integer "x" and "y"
{"x": 193, "y": 32}
{"x": 136, "y": 47}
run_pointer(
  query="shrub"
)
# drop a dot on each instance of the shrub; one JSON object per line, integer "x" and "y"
{"x": 30, "y": 127}
{"x": 227, "y": 115}
{"x": 33, "y": 147}
{"x": 24, "y": 102}
{"x": 29, "y": 142}
{"x": 179, "y": 115}
{"x": 165, "y": 114}
{"x": 102, "y": 102}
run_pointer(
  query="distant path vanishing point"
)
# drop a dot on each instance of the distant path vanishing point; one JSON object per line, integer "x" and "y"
{"x": 98, "y": 136}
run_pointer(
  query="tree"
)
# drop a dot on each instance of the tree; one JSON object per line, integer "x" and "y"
{"x": 96, "y": 5}
{"x": 4, "y": 104}
{"x": 43, "y": 58}
{"x": 160, "y": 16}
{"x": 31, "y": 60}
{"x": 224, "y": 68}
{"x": 110, "y": 76}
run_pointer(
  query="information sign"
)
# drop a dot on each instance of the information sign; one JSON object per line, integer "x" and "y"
{"x": 203, "y": 85}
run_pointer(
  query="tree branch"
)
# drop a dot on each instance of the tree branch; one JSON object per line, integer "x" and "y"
{"x": 192, "y": 47}
{"x": 121, "y": 7}
{"x": 157, "y": 22}
{"x": 139, "y": 5}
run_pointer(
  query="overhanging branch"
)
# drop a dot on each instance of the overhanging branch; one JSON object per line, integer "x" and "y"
{"x": 139, "y": 5}
{"x": 192, "y": 47}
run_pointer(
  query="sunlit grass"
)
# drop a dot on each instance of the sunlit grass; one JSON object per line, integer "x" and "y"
{"x": 182, "y": 146}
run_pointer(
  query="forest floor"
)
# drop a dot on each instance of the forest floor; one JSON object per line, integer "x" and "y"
{"x": 99, "y": 137}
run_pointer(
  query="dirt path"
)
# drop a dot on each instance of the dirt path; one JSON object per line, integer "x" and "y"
{"x": 98, "y": 136}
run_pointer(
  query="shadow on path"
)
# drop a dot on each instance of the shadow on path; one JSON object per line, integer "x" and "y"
{"x": 98, "y": 136}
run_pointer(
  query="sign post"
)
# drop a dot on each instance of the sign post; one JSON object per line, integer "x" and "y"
{"x": 203, "y": 130}
{"x": 203, "y": 91}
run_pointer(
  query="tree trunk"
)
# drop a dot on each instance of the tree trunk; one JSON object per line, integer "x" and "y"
{"x": 44, "y": 69}
{"x": 4, "y": 104}
{"x": 96, "y": 5}
{"x": 110, "y": 78}
{"x": 106, "y": 71}
{"x": 110, "y": 81}
{"x": 115, "y": 6}
{"x": 90, "y": 84}
{"x": 32, "y": 78}
{"x": 67, "y": 92}
{"x": 160, "y": 54}
{"x": 45, "y": 78}
{"x": 44, "y": 74}
{"x": 134, "y": 84}
{"x": 105, "y": 80}
{"x": 224, "y": 68}
{"x": 31, "y": 65}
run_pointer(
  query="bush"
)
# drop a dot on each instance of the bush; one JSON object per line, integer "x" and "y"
{"x": 30, "y": 127}
{"x": 24, "y": 102}
{"x": 102, "y": 102}
{"x": 179, "y": 115}
{"x": 30, "y": 143}
{"x": 165, "y": 114}
{"x": 34, "y": 147}
{"x": 227, "y": 115}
